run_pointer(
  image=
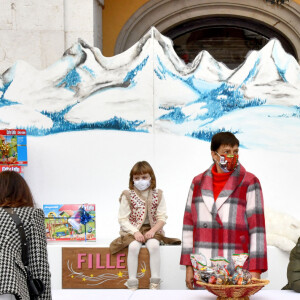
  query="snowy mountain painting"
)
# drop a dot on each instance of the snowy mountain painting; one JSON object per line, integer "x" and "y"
{"x": 90, "y": 118}
{"x": 149, "y": 89}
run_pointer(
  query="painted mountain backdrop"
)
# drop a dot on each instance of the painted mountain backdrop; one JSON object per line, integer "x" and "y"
{"x": 148, "y": 88}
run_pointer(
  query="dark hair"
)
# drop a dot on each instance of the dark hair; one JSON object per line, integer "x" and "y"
{"x": 142, "y": 167}
{"x": 223, "y": 138}
{"x": 14, "y": 191}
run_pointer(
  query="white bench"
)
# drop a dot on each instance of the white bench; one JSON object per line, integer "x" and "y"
{"x": 172, "y": 274}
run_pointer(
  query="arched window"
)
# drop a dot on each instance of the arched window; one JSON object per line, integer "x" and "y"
{"x": 214, "y": 24}
{"x": 228, "y": 40}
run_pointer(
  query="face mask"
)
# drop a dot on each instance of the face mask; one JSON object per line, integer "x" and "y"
{"x": 142, "y": 184}
{"x": 228, "y": 162}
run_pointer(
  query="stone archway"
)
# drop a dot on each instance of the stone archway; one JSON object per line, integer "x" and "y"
{"x": 165, "y": 14}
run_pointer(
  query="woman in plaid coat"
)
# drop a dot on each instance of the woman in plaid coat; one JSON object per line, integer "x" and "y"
{"x": 15, "y": 193}
{"x": 224, "y": 212}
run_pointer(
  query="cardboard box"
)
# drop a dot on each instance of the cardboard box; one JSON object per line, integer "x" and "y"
{"x": 18, "y": 169}
{"x": 68, "y": 222}
{"x": 13, "y": 147}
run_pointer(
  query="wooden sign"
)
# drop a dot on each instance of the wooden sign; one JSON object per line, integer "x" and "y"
{"x": 96, "y": 268}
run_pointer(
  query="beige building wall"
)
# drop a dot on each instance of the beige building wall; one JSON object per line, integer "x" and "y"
{"x": 115, "y": 14}
{"x": 39, "y": 31}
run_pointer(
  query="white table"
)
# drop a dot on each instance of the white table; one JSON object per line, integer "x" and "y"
{"x": 92, "y": 294}
{"x": 162, "y": 295}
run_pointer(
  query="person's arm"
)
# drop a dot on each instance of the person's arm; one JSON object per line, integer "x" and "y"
{"x": 161, "y": 216}
{"x": 158, "y": 226}
{"x": 38, "y": 258}
{"x": 256, "y": 223}
{"x": 187, "y": 240}
{"x": 189, "y": 277}
{"x": 187, "y": 231}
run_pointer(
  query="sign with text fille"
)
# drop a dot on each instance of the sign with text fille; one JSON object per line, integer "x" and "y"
{"x": 96, "y": 268}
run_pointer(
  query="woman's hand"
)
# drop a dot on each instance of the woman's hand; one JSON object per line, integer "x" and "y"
{"x": 255, "y": 275}
{"x": 189, "y": 277}
{"x": 149, "y": 234}
{"x": 139, "y": 237}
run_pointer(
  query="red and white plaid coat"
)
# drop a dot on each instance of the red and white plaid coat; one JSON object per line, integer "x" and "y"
{"x": 234, "y": 223}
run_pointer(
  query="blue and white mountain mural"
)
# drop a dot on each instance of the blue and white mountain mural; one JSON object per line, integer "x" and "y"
{"x": 90, "y": 118}
{"x": 149, "y": 89}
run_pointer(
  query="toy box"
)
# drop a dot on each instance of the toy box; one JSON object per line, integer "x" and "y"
{"x": 70, "y": 222}
{"x": 18, "y": 169}
{"x": 13, "y": 147}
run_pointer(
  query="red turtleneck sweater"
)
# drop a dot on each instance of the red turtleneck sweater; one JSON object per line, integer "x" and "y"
{"x": 219, "y": 181}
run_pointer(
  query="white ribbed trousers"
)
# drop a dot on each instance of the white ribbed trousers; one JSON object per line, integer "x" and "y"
{"x": 133, "y": 254}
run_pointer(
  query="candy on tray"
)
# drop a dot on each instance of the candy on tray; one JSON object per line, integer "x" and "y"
{"x": 219, "y": 261}
{"x": 198, "y": 260}
{"x": 239, "y": 259}
{"x": 219, "y": 264}
{"x": 197, "y": 275}
{"x": 222, "y": 275}
{"x": 206, "y": 273}
{"x": 241, "y": 277}
{"x": 218, "y": 272}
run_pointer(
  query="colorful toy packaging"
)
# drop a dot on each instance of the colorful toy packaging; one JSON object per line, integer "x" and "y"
{"x": 18, "y": 169}
{"x": 70, "y": 222}
{"x": 13, "y": 147}
{"x": 218, "y": 273}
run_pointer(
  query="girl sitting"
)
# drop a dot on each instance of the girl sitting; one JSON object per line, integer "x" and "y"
{"x": 142, "y": 216}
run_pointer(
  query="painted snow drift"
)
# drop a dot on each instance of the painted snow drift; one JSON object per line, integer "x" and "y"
{"x": 149, "y": 88}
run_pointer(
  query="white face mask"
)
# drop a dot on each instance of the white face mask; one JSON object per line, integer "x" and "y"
{"x": 142, "y": 184}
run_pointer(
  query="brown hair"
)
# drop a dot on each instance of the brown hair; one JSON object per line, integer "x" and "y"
{"x": 142, "y": 167}
{"x": 14, "y": 191}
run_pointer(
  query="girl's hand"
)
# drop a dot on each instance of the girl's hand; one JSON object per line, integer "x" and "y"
{"x": 139, "y": 237}
{"x": 149, "y": 234}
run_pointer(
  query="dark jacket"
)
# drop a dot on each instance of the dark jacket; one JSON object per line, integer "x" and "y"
{"x": 12, "y": 271}
{"x": 293, "y": 270}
